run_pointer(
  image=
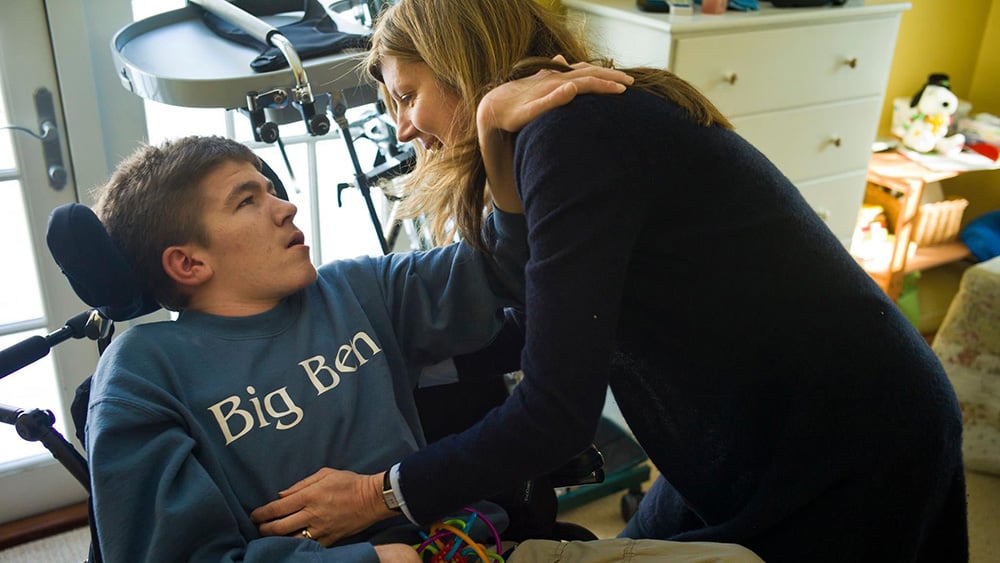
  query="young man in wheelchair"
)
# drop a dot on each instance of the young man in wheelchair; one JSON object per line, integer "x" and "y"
{"x": 272, "y": 371}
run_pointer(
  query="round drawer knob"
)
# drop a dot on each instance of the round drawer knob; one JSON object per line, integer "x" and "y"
{"x": 851, "y": 62}
{"x": 836, "y": 141}
{"x": 730, "y": 77}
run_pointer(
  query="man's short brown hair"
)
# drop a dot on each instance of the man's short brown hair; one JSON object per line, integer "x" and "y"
{"x": 152, "y": 202}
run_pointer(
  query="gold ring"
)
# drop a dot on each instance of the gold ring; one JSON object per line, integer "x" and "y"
{"x": 305, "y": 533}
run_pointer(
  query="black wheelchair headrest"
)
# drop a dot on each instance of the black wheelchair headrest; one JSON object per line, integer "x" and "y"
{"x": 98, "y": 272}
{"x": 94, "y": 265}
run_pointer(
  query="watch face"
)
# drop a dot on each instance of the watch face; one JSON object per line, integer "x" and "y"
{"x": 390, "y": 500}
{"x": 388, "y": 496}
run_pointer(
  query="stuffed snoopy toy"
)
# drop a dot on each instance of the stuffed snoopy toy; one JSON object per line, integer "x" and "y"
{"x": 926, "y": 127}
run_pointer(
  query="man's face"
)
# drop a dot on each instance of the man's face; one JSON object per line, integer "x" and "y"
{"x": 256, "y": 254}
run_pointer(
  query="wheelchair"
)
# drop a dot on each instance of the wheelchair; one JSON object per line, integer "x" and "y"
{"x": 103, "y": 279}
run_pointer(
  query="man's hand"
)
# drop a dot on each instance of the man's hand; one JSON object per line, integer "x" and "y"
{"x": 329, "y": 504}
{"x": 396, "y": 553}
{"x": 509, "y": 107}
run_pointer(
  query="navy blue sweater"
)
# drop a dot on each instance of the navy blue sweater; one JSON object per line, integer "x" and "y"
{"x": 786, "y": 400}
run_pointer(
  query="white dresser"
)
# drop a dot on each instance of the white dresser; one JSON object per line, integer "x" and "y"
{"x": 804, "y": 85}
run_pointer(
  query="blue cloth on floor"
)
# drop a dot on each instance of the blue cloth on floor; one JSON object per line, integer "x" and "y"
{"x": 738, "y": 5}
{"x": 982, "y": 236}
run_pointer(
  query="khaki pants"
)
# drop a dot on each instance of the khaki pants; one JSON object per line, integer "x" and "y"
{"x": 629, "y": 550}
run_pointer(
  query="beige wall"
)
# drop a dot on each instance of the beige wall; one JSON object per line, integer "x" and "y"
{"x": 982, "y": 189}
{"x": 985, "y": 88}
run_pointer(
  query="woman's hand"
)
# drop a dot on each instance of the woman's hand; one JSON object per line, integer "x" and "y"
{"x": 512, "y": 105}
{"x": 330, "y": 504}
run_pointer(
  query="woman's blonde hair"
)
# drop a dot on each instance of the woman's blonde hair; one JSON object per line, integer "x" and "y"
{"x": 472, "y": 46}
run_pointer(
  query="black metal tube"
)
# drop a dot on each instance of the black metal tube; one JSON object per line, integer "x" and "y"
{"x": 36, "y": 347}
{"x": 23, "y": 353}
{"x": 36, "y": 426}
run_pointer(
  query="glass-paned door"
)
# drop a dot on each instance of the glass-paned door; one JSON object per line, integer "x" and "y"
{"x": 34, "y": 297}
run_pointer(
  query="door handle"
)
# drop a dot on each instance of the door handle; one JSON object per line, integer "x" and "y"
{"x": 48, "y": 134}
{"x": 55, "y": 169}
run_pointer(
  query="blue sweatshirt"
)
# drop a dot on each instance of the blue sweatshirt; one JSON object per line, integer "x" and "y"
{"x": 785, "y": 399}
{"x": 194, "y": 423}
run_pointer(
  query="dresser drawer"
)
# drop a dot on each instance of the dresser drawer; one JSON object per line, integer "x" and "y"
{"x": 761, "y": 70}
{"x": 808, "y": 143}
{"x": 837, "y": 200}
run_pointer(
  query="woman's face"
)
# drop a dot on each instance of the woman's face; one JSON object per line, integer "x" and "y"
{"x": 424, "y": 110}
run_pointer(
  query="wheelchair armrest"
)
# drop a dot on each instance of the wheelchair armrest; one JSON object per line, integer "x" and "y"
{"x": 585, "y": 468}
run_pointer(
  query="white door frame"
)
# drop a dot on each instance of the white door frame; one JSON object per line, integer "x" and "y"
{"x": 62, "y": 46}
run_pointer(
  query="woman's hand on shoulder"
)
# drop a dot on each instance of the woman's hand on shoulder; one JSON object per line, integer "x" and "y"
{"x": 512, "y": 105}
{"x": 507, "y": 108}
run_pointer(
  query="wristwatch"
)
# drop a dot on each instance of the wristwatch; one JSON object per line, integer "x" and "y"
{"x": 388, "y": 495}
